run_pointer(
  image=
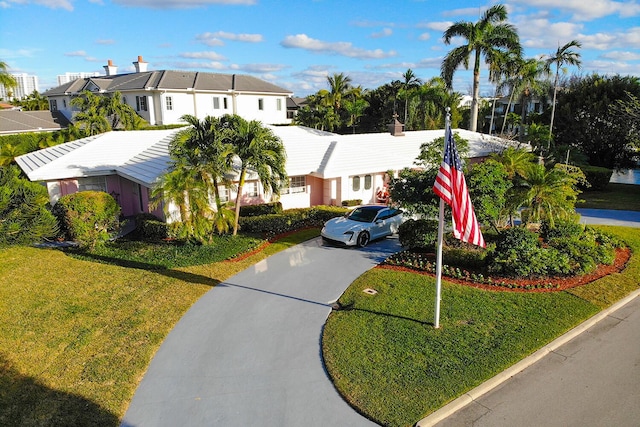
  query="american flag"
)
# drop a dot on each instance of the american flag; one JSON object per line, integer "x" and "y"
{"x": 451, "y": 186}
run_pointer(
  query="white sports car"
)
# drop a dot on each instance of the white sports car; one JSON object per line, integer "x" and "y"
{"x": 363, "y": 224}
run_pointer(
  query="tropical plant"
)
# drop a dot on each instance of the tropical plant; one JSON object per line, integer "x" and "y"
{"x": 339, "y": 87}
{"x": 200, "y": 162}
{"x": 563, "y": 55}
{"x": 258, "y": 149}
{"x": 529, "y": 84}
{"x": 34, "y": 102}
{"x": 90, "y": 117}
{"x": 355, "y": 105}
{"x": 409, "y": 85}
{"x": 25, "y": 215}
{"x": 490, "y": 34}
{"x": 587, "y": 120}
{"x": 6, "y": 79}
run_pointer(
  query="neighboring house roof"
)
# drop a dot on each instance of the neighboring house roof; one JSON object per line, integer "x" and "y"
{"x": 168, "y": 80}
{"x": 143, "y": 156}
{"x": 15, "y": 121}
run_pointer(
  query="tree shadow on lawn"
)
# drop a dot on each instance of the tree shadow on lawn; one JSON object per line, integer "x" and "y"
{"x": 197, "y": 279}
{"x": 350, "y": 307}
{"x": 25, "y": 401}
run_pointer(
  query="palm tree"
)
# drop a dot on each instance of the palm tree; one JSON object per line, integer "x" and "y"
{"x": 529, "y": 84}
{"x": 490, "y": 34}
{"x": 90, "y": 117}
{"x": 6, "y": 79}
{"x": 430, "y": 104}
{"x": 564, "y": 55}
{"x": 355, "y": 104}
{"x": 257, "y": 148}
{"x": 339, "y": 85}
{"x": 199, "y": 162}
{"x": 409, "y": 85}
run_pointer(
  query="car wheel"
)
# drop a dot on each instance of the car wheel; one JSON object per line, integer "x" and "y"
{"x": 363, "y": 239}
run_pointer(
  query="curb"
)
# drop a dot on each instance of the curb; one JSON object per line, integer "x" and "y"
{"x": 487, "y": 386}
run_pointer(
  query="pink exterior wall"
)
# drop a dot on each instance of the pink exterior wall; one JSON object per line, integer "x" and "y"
{"x": 316, "y": 190}
{"x": 68, "y": 186}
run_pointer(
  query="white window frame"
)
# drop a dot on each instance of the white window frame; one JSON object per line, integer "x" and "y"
{"x": 169, "y": 103}
{"x": 355, "y": 183}
{"x": 260, "y": 104}
{"x": 368, "y": 182}
{"x": 297, "y": 184}
{"x": 225, "y": 193}
{"x": 225, "y": 103}
{"x": 216, "y": 103}
{"x": 251, "y": 189}
{"x": 279, "y": 104}
{"x": 92, "y": 183}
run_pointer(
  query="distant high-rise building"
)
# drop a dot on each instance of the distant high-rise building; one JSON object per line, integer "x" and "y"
{"x": 69, "y": 77}
{"x": 26, "y": 85}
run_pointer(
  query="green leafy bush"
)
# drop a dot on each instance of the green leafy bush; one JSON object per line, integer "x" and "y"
{"x": 89, "y": 218}
{"x": 418, "y": 234}
{"x": 289, "y": 220}
{"x": 597, "y": 177}
{"x": 561, "y": 228}
{"x": 261, "y": 209}
{"x": 25, "y": 215}
{"x": 150, "y": 227}
{"x": 352, "y": 202}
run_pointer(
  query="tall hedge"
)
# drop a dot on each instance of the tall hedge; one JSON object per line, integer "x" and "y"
{"x": 89, "y": 218}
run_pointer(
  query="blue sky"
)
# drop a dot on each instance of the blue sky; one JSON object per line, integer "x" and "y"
{"x": 297, "y": 43}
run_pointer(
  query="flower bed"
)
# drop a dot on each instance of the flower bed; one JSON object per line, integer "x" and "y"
{"x": 425, "y": 264}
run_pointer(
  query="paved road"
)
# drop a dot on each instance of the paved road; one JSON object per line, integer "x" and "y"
{"x": 592, "y": 380}
{"x": 248, "y": 352}
{"x": 609, "y": 217}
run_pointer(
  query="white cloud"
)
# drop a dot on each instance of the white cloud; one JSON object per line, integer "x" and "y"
{"x": 216, "y": 39}
{"x": 51, "y": 4}
{"x": 302, "y": 41}
{"x": 621, "y": 56}
{"x": 105, "y": 41}
{"x": 386, "y": 32}
{"x": 587, "y": 10}
{"x": 262, "y": 68}
{"x": 80, "y": 53}
{"x": 212, "y": 56}
{"x": 440, "y": 26}
{"x": 181, "y": 4}
{"x": 424, "y": 36}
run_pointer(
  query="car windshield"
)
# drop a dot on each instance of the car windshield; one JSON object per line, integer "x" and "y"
{"x": 363, "y": 214}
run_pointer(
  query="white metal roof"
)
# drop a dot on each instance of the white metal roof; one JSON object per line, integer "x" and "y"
{"x": 143, "y": 156}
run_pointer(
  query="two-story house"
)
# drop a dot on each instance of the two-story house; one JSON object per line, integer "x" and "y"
{"x": 162, "y": 97}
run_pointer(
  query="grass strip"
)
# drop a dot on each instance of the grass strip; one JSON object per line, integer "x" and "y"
{"x": 388, "y": 361}
{"x": 615, "y": 196}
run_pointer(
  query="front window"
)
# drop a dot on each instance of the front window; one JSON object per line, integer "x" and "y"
{"x": 260, "y": 104}
{"x": 216, "y": 103}
{"x": 367, "y": 182}
{"x": 53, "y": 105}
{"x": 356, "y": 183}
{"x": 225, "y": 104}
{"x": 279, "y": 104}
{"x": 225, "y": 194}
{"x": 92, "y": 183}
{"x": 169, "y": 103}
{"x": 297, "y": 184}
{"x": 141, "y": 103}
{"x": 252, "y": 189}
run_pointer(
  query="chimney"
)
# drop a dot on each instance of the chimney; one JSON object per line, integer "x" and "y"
{"x": 110, "y": 69}
{"x": 140, "y": 65}
{"x": 395, "y": 127}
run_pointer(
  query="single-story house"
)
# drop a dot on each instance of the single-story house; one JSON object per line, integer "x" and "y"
{"x": 324, "y": 168}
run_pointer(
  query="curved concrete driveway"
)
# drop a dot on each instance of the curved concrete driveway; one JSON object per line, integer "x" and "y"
{"x": 248, "y": 352}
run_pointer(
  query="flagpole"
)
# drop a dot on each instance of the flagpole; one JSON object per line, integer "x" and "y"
{"x": 436, "y": 321}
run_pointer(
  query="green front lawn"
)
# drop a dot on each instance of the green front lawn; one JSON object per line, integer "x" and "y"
{"x": 76, "y": 336}
{"x": 388, "y": 361}
{"x": 615, "y": 196}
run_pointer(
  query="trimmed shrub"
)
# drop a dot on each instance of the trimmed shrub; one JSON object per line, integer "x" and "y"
{"x": 418, "y": 234}
{"x": 352, "y": 202}
{"x": 561, "y": 228}
{"x": 261, "y": 209}
{"x": 290, "y": 220}
{"x": 597, "y": 177}
{"x": 150, "y": 227}
{"x": 89, "y": 218}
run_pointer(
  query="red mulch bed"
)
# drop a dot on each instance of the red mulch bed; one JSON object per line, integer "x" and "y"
{"x": 559, "y": 283}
